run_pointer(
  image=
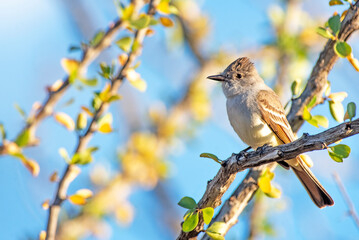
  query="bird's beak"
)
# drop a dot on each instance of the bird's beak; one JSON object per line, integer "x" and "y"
{"x": 218, "y": 77}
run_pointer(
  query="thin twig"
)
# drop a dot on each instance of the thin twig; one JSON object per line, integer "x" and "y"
{"x": 347, "y": 199}
{"x": 61, "y": 192}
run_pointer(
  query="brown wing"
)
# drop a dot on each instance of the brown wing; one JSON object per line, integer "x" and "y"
{"x": 273, "y": 114}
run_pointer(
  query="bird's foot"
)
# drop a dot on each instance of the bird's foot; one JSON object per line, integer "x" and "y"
{"x": 242, "y": 153}
{"x": 262, "y": 149}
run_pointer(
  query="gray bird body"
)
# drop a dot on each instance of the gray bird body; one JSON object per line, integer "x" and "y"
{"x": 244, "y": 116}
{"x": 258, "y": 118}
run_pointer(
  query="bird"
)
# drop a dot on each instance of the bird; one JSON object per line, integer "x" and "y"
{"x": 258, "y": 117}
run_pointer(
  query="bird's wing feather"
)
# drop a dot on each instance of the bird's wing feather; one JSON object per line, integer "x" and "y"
{"x": 273, "y": 114}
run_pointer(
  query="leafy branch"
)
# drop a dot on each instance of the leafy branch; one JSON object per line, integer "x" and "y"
{"x": 315, "y": 87}
{"x": 115, "y": 82}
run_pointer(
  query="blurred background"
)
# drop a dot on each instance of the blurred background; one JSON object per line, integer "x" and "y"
{"x": 151, "y": 160}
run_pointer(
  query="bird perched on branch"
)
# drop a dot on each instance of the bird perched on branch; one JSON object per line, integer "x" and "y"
{"x": 258, "y": 118}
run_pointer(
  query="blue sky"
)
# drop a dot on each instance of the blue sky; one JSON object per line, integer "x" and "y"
{"x": 37, "y": 34}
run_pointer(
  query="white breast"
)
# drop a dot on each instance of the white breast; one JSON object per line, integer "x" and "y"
{"x": 248, "y": 124}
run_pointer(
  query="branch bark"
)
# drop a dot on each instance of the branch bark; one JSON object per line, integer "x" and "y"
{"x": 71, "y": 169}
{"x": 315, "y": 87}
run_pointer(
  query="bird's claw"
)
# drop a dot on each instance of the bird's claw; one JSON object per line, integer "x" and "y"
{"x": 242, "y": 154}
{"x": 262, "y": 149}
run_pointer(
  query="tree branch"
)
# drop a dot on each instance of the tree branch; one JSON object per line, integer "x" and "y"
{"x": 46, "y": 109}
{"x": 236, "y": 163}
{"x": 67, "y": 178}
{"x": 318, "y": 78}
{"x": 315, "y": 87}
{"x": 352, "y": 211}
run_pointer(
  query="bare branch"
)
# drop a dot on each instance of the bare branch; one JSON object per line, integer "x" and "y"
{"x": 84, "y": 139}
{"x": 347, "y": 199}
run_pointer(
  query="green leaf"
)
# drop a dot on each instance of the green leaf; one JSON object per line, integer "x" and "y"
{"x": 81, "y": 121}
{"x": 336, "y": 110}
{"x": 20, "y": 110}
{"x": 89, "y": 82}
{"x": 141, "y": 22}
{"x": 23, "y": 139}
{"x": 342, "y": 49}
{"x": 217, "y": 227}
{"x": 294, "y": 87}
{"x": 187, "y": 202}
{"x": 124, "y": 43}
{"x": 313, "y": 122}
{"x": 341, "y": 150}
{"x": 190, "y": 222}
{"x": 321, "y": 120}
{"x": 135, "y": 46}
{"x": 306, "y": 114}
{"x": 106, "y": 71}
{"x": 83, "y": 157}
{"x": 334, "y": 24}
{"x": 114, "y": 98}
{"x": 215, "y": 236}
{"x": 96, "y": 102}
{"x": 335, "y": 157}
{"x": 211, "y": 156}
{"x": 335, "y": 2}
{"x": 208, "y": 213}
{"x": 351, "y": 110}
{"x": 97, "y": 38}
{"x": 2, "y": 131}
{"x": 324, "y": 32}
{"x": 312, "y": 102}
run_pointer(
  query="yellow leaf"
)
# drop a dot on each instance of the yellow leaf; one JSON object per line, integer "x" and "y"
{"x": 65, "y": 120}
{"x": 150, "y": 32}
{"x": 163, "y": 7}
{"x": 338, "y": 97}
{"x": 88, "y": 111}
{"x": 167, "y": 22}
{"x": 77, "y": 200}
{"x": 354, "y": 62}
{"x": 122, "y": 59}
{"x": 69, "y": 65}
{"x": 104, "y": 123}
{"x": 343, "y": 15}
{"x": 80, "y": 197}
{"x": 42, "y": 235}
{"x": 11, "y": 148}
{"x": 45, "y": 205}
{"x": 54, "y": 177}
{"x": 307, "y": 160}
{"x": 85, "y": 193}
{"x": 135, "y": 79}
{"x": 32, "y": 166}
{"x": 105, "y": 128}
{"x": 274, "y": 193}
{"x": 264, "y": 184}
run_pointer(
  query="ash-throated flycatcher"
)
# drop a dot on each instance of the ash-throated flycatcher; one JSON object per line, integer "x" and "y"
{"x": 258, "y": 117}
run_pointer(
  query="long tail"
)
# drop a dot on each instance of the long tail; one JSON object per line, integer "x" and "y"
{"x": 315, "y": 190}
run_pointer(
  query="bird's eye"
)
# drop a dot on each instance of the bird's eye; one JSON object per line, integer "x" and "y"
{"x": 239, "y": 76}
